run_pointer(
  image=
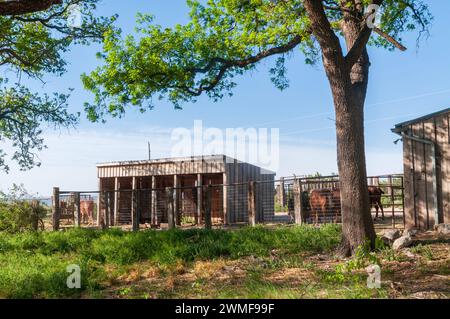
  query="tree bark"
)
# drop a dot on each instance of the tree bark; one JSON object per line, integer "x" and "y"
{"x": 349, "y": 86}
{"x": 18, "y": 7}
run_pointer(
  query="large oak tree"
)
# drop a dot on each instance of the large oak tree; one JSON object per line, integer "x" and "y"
{"x": 225, "y": 38}
{"x": 34, "y": 35}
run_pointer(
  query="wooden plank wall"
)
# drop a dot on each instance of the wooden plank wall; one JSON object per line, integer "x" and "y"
{"x": 419, "y": 191}
{"x": 241, "y": 172}
{"x": 443, "y": 138}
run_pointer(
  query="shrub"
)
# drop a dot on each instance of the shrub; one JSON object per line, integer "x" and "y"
{"x": 18, "y": 214}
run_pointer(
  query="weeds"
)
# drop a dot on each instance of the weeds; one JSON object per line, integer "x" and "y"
{"x": 424, "y": 251}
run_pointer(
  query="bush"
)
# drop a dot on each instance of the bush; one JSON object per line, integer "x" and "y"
{"x": 17, "y": 214}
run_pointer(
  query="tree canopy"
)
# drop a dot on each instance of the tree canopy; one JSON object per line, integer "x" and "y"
{"x": 223, "y": 39}
{"x": 34, "y": 36}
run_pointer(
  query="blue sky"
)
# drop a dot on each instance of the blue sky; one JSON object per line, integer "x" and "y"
{"x": 403, "y": 85}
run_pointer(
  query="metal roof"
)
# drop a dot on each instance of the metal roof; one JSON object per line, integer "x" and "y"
{"x": 207, "y": 158}
{"x": 203, "y": 158}
{"x": 399, "y": 127}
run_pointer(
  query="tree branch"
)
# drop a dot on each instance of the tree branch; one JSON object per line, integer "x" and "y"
{"x": 17, "y": 7}
{"x": 394, "y": 42}
{"x": 321, "y": 26}
{"x": 224, "y": 64}
{"x": 355, "y": 52}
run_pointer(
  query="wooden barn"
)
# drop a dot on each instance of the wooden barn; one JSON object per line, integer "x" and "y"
{"x": 228, "y": 179}
{"x": 426, "y": 154}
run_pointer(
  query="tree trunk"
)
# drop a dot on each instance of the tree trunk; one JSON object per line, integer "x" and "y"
{"x": 357, "y": 225}
{"x": 348, "y": 82}
{"x": 349, "y": 89}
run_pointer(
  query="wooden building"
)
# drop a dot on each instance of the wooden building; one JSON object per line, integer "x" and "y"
{"x": 188, "y": 177}
{"x": 426, "y": 154}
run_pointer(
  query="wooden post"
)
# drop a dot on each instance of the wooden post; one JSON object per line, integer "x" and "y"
{"x": 226, "y": 217}
{"x": 298, "y": 202}
{"x": 99, "y": 204}
{"x": 107, "y": 212}
{"x": 402, "y": 188}
{"x": 251, "y": 203}
{"x": 282, "y": 193}
{"x": 134, "y": 206}
{"x": 77, "y": 209}
{"x": 153, "y": 205}
{"x": 138, "y": 208}
{"x": 199, "y": 198}
{"x": 56, "y": 211}
{"x": 116, "y": 201}
{"x": 35, "y": 216}
{"x": 176, "y": 194}
{"x": 170, "y": 208}
{"x": 391, "y": 193}
{"x": 208, "y": 204}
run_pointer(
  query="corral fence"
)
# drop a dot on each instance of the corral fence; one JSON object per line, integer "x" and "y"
{"x": 300, "y": 200}
{"x": 320, "y": 200}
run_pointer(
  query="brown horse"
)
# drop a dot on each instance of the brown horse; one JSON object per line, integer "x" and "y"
{"x": 87, "y": 211}
{"x": 375, "y": 194}
{"x": 319, "y": 200}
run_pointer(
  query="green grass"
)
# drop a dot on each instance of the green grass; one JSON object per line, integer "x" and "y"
{"x": 33, "y": 265}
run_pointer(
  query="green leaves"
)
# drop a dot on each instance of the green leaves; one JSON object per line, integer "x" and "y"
{"x": 400, "y": 16}
{"x": 224, "y": 39}
{"x": 34, "y": 44}
{"x": 22, "y": 114}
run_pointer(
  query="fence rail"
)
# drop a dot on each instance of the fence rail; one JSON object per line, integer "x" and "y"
{"x": 300, "y": 200}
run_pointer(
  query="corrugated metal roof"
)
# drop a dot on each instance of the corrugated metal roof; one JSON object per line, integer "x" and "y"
{"x": 208, "y": 158}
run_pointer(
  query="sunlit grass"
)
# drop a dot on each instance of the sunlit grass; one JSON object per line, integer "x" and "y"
{"x": 34, "y": 264}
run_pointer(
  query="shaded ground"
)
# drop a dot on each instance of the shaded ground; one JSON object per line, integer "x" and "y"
{"x": 422, "y": 271}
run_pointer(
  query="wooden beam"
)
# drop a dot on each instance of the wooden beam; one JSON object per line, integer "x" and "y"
{"x": 134, "y": 206}
{"x": 208, "y": 204}
{"x": 226, "y": 217}
{"x": 176, "y": 194}
{"x": 298, "y": 202}
{"x": 107, "y": 211}
{"x": 154, "y": 198}
{"x": 77, "y": 209}
{"x": 282, "y": 193}
{"x": 251, "y": 203}
{"x": 116, "y": 201}
{"x": 170, "y": 208}
{"x": 99, "y": 204}
{"x": 56, "y": 211}
{"x": 199, "y": 199}
{"x": 35, "y": 217}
